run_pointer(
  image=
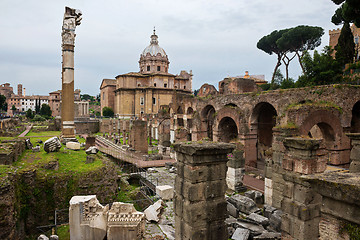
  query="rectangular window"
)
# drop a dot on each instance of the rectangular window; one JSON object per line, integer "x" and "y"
{"x": 158, "y": 68}
{"x": 148, "y": 68}
{"x": 141, "y": 101}
{"x": 103, "y": 96}
{"x": 154, "y": 101}
{"x": 165, "y": 84}
{"x": 141, "y": 111}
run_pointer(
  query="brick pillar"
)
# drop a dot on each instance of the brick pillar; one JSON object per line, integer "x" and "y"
{"x": 200, "y": 185}
{"x": 355, "y": 152}
{"x": 236, "y": 170}
{"x": 301, "y": 203}
{"x": 138, "y": 136}
{"x": 250, "y": 147}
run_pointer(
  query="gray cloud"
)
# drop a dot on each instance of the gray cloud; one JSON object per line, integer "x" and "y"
{"x": 213, "y": 38}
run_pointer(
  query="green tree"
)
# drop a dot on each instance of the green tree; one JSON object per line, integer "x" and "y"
{"x": 349, "y": 12}
{"x": 29, "y": 114}
{"x": 2, "y": 102}
{"x": 108, "y": 112}
{"x": 37, "y": 106}
{"x": 345, "y": 49}
{"x": 299, "y": 40}
{"x": 320, "y": 69}
{"x": 268, "y": 44}
{"x": 87, "y": 97}
{"x": 45, "y": 110}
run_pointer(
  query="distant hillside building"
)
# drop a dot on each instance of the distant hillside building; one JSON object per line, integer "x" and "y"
{"x": 136, "y": 93}
{"x": 335, "y": 34}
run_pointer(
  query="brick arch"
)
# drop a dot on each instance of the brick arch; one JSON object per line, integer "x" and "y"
{"x": 261, "y": 122}
{"x": 207, "y": 121}
{"x": 335, "y": 141}
{"x": 321, "y": 116}
{"x": 229, "y": 113}
{"x": 355, "y": 118}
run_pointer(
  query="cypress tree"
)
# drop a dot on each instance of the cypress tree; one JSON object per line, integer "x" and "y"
{"x": 345, "y": 49}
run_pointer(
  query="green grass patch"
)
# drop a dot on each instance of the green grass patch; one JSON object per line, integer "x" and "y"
{"x": 63, "y": 232}
{"x": 44, "y": 133}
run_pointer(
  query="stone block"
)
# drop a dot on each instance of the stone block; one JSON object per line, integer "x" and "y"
{"x": 257, "y": 196}
{"x": 42, "y": 237}
{"x": 255, "y": 229}
{"x": 91, "y": 150}
{"x": 166, "y": 192}
{"x": 52, "y": 145}
{"x": 268, "y": 210}
{"x": 306, "y": 195}
{"x": 275, "y": 220}
{"x": 200, "y": 213}
{"x": 152, "y": 213}
{"x": 54, "y": 237}
{"x": 90, "y": 142}
{"x": 243, "y": 204}
{"x": 241, "y": 234}
{"x": 268, "y": 191}
{"x": 73, "y": 145}
{"x": 232, "y": 210}
{"x": 288, "y": 190}
{"x": 258, "y": 219}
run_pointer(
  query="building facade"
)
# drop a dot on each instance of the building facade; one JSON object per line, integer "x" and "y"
{"x": 334, "y": 38}
{"x": 143, "y": 92}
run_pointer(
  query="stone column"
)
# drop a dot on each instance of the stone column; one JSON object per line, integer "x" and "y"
{"x": 236, "y": 170}
{"x": 138, "y": 139}
{"x": 355, "y": 152}
{"x": 200, "y": 185}
{"x": 301, "y": 203}
{"x": 72, "y": 18}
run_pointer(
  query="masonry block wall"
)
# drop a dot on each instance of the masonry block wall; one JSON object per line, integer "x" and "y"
{"x": 200, "y": 185}
{"x": 138, "y": 139}
{"x": 355, "y": 152}
{"x": 301, "y": 203}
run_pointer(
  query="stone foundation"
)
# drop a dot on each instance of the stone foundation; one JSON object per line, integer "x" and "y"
{"x": 200, "y": 206}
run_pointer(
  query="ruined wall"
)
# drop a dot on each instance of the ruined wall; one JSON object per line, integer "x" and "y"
{"x": 90, "y": 126}
{"x": 29, "y": 197}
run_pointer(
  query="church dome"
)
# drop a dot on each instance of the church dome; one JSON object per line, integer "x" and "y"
{"x": 154, "y": 49}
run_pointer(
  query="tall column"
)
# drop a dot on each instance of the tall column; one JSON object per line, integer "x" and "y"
{"x": 72, "y": 18}
{"x": 200, "y": 185}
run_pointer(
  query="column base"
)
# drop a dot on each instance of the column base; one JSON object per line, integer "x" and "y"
{"x": 65, "y": 139}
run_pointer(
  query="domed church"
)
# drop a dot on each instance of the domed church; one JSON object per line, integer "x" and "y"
{"x": 134, "y": 94}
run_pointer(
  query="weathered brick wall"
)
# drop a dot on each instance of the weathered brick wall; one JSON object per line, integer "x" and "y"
{"x": 138, "y": 138}
{"x": 200, "y": 206}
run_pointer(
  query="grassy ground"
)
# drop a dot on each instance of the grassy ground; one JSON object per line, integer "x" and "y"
{"x": 44, "y": 133}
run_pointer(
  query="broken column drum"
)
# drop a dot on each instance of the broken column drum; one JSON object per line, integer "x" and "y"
{"x": 200, "y": 186}
{"x": 72, "y": 18}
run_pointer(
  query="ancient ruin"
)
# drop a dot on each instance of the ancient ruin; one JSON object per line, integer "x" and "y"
{"x": 72, "y": 18}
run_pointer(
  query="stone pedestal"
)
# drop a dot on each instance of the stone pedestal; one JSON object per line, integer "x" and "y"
{"x": 138, "y": 136}
{"x": 355, "y": 152}
{"x": 301, "y": 203}
{"x": 236, "y": 170}
{"x": 200, "y": 185}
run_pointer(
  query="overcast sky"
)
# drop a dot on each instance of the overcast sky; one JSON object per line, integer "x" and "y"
{"x": 213, "y": 38}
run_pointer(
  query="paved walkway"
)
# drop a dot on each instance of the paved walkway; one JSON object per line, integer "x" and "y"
{"x": 254, "y": 183}
{"x": 27, "y": 130}
{"x": 117, "y": 152}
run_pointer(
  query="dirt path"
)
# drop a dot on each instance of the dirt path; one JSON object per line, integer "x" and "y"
{"x": 27, "y": 130}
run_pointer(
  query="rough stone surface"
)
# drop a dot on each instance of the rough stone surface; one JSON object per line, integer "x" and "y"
{"x": 241, "y": 234}
{"x": 52, "y": 145}
{"x": 42, "y": 237}
{"x": 166, "y": 192}
{"x": 243, "y": 203}
{"x": 36, "y": 149}
{"x": 54, "y": 237}
{"x": 92, "y": 150}
{"x": 258, "y": 219}
{"x": 152, "y": 213}
{"x": 89, "y": 220}
{"x": 90, "y": 159}
{"x": 73, "y": 145}
{"x": 28, "y": 143}
{"x": 268, "y": 236}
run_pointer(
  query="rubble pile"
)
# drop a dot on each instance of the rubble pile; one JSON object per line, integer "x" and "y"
{"x": 248, "y": 219}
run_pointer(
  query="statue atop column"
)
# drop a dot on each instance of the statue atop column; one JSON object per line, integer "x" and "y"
{"x": 72, "y": 18}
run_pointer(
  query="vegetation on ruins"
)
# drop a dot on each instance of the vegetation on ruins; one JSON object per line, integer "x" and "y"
{"x": 108, "y": 112}
{"x": 320, "y": 69}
